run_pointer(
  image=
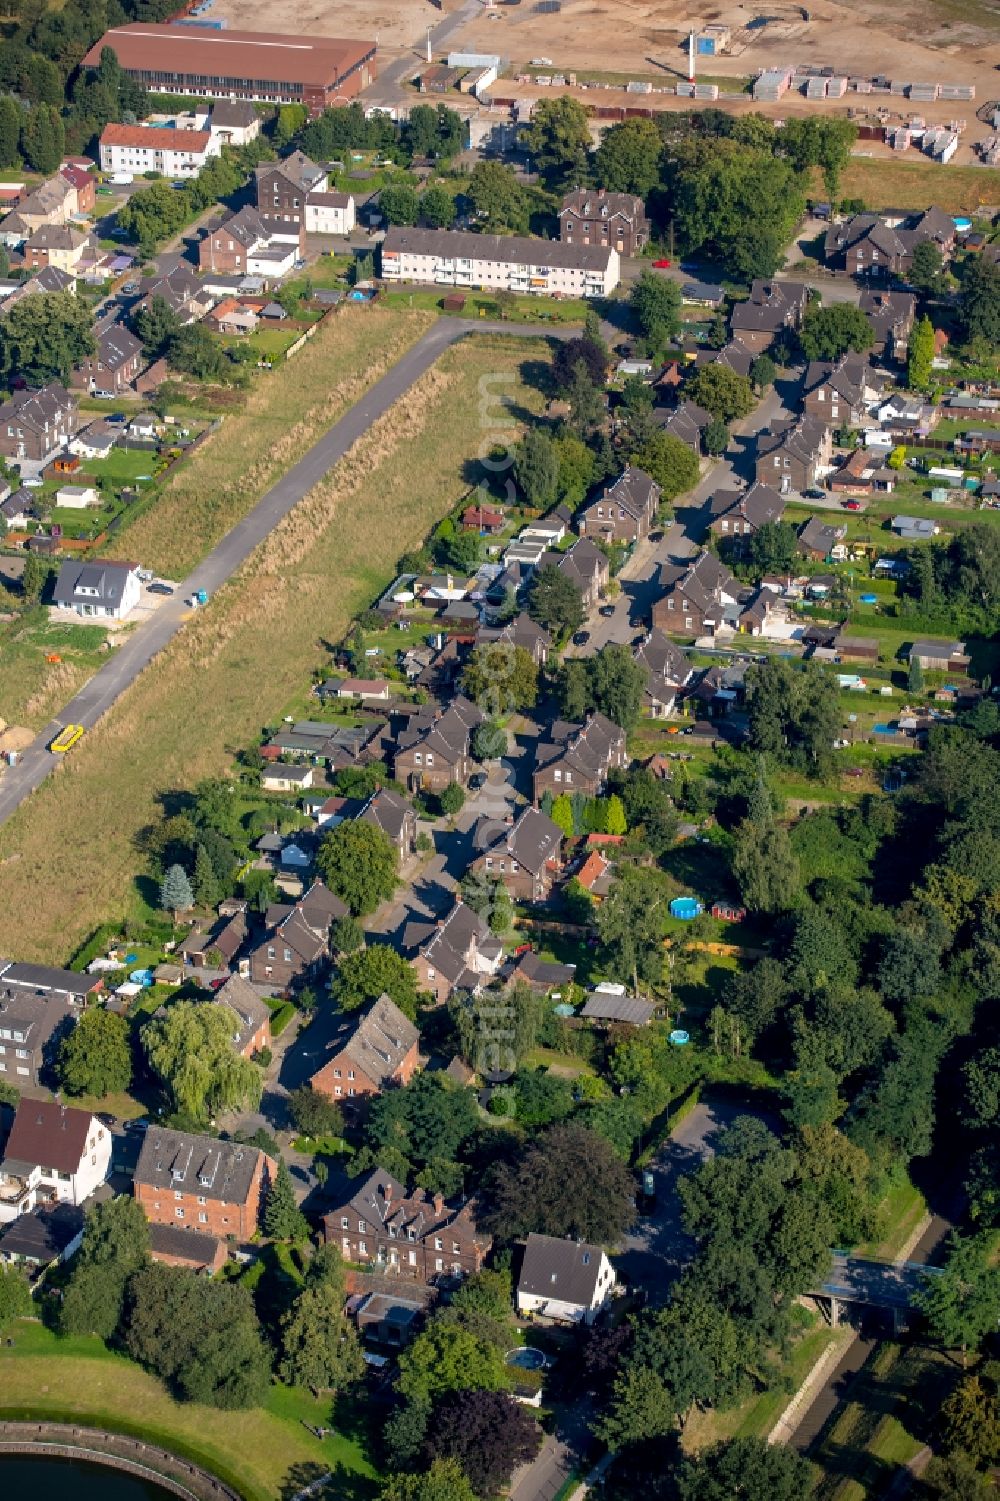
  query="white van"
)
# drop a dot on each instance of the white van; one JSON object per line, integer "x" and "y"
{"x": 121, "y": 179}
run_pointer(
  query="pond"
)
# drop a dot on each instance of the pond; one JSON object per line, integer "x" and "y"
{"x": 27, "y": 1478}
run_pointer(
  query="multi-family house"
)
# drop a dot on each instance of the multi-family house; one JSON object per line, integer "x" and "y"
{"x": 624, "y": 511}
{"x": 52, "y": 202}
{"x": 181, "y": 290}
{"x": 368, "y": 1053}
{"x": 62, "y": 246}
{"x": 225, "y": 248}
{"x": 578, "y": 757}
{"x": 410, "y": 1235}
{"x": 795, "y": 456}
{"x": 522, "y": 631}
{"x": 395, "y": 817}
{"x": 433, "y": 752}
{"x": 695, "y": 596}
{"x": 152, "y": 148}
{"x": 113, "y": 366}
{"x": 738, "y": 514}
{"x": 459, "y": 954}
{"x": 735, "y": 356}
{"x": 281, "y": 192}
{"x": 882, "y": 244}
{"x": 771, "y": 306}
{"x": 251, "y": 1015}
{"x": 594, "y": 217}
{"x": 667, "y": 672}
{"x": 83, "y": 183}
{"x": 891, "y": 315}
{"x": 296, "y": 945}
{"x": 686, "y": 422}
{"x": 840, "y": 391}
{"x": 34, "y": 425}
{"x": 330, "y": 213}
{"x": 523, "y": 856}
{"x": 235, "y": 122}
{"x": 31, "y": 1027}
{"x": 201, "y": 1184}
{"x": 54, "y": 1154}
{"x": 586, "y": 565}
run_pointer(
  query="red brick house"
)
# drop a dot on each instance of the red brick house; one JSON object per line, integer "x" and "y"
{"x": 578, "y": 757}
{"x": 200, "y": 1184}
{"x": 297, "y": 944}
{"x": 586, "y": 566}
{"x": 113, "y": 366}
{"x": 524, "y": 857}
{"x": 85, "y": 184}
{"x": 737, "y": 514}
{"x": 35, "y": 424}
{"x": 396, "y": 819}
{"x": 695, "y": 596}
{"x": 251, "y": 1015}
{"x": 592, "y": 216}
{"x": 415, "y": 1235}
{"x": 624, "y": 512}
{"x": 460, "y": 954}
{"x": 771, "y": 306}
{"x": 433, "y": 752}
{"x": 368, "y": 1053}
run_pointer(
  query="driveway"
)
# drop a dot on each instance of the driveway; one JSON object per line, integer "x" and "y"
{"x": 659, "y": 1248}
{"x": 560, "y": 1454}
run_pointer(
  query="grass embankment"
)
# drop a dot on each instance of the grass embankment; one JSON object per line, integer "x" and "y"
{"x": 285, "y": 413}
{"x": 238, "y": 663}
{"x": 258, "y": 1452}
{"x": 883, "y": 183}
{"x": 888, "y": 1414}
{"x": 31, "y": 688}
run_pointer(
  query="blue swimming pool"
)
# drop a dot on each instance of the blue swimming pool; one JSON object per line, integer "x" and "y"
{"x": 685, "y": 907}
{"x": 882, "y": 729}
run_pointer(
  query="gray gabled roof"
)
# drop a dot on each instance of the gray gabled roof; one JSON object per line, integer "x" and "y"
{"x": 564, "y": 1270}
{"x": 219, "y": 1170}
{"x": 379, "y": 1040}
{"x": 109, "y": 579}
{"x": 507, "y": 250}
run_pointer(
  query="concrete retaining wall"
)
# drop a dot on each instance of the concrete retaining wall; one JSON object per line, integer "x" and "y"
{"x": 118, "y": 1452}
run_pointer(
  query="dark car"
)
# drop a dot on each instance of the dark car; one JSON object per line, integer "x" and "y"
{"x": 581, "y": 638}
{"x": 161, "y": 588}
{"x": 140, "y": 1125}
{"x": 607, "y": 611}
{"x": 815, "y": 493}
{"x": 477, "y": 781}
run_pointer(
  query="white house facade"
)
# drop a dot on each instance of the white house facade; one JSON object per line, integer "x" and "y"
{"x": 566, "y": 1281}
{"x": 330, "y": 214}
{"x": 509, "y": 263}
{"x": 54, "y": 1154}
{"x": 150, "y": 148}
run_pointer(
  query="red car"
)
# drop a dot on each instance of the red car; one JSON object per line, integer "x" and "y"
{"x": 663, "y": 265}
{"x": 852, "y": 505}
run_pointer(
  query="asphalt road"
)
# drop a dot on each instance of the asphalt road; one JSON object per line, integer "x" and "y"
{"x": 107, "y": 685}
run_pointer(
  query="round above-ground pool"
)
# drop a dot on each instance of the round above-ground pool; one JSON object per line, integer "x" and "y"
{"x": 526, "y": 1358}
{"x": 680, "y": 1038}
{"x": 685, "y": 907}
{"x": 564, "y": 1008}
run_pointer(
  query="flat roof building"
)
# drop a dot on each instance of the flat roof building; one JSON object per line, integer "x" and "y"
{"x": 315, "y": 71}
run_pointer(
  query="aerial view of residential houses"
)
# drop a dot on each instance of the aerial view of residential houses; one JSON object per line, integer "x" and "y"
{"x": 527, "y": 1030}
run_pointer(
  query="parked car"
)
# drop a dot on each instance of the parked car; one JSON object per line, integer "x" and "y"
{"x": 852, "y": 505}
{"x": 815, "y": 493}
{"x": 161, "y": 588}
{"x": 130, "y": 286}
{"x": 581, "y": 638}
{"x": 663, "y": 264}
{"x": 477, "y": 780}
{"x": 607, "y": 611}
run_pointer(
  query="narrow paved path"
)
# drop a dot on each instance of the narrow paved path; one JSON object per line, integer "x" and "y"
{"x": 106, "y": 686}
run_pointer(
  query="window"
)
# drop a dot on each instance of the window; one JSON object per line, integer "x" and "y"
{"x": 179, "y": 1214}
{"x": 343, "y": 1222}
{"x": 202, "y": 1199}
{"x": 350, "y": 1073}
{"x": 203, "y": 1218}
{"x": 412, "y": 1258}
{"x": 178, "y": 1194}
{"x": 438, "y": 1243}
{"x": 362, "y": 1248}
{"x": 362, "y": 1226}
{"x": 439, "y": 1263}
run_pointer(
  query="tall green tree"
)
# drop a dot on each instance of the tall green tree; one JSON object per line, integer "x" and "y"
{"x": 95, "y": 1058}
{"x": 669, "y": 461}
{"x": 283, "y": 1219}
{"x": 536, "y": 468}
{"x": 920, "y": 355}
{"x": 656, "y": 303}
{"x": 373, "y": 971}
{"x": 628, "y": 158}
{"x": 962, "y": 1302}
{"x": 567, "y": 1182}
{"x": 721, "y": 391}
{"x": 828, "y": 332}
{"x": 617, "y": 683}
{"x": 487, "y": 1432}
{"x": 191, "y": 1049}
{"x": 746, "y": 1467}
{"x": 979, "y": 302}
{"x": 558, "y": 140}
{"x": 15, "y": 1296}
{"x": 176, "y": 895}
{"x": 498, "y": 198}
{"x": 43, "y": 337}
{"x": 554, "y": 601}
{"x": 444, "y": 1480}
{"x": 10, "y": 131}
{"x": 319, "y": 1346}
{"x": 115, "y": 1244}
{"x": 43, "y": 139}
{"x": 358, "y": 862}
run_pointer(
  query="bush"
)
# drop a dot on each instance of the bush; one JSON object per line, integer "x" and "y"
{"x": 280, "y": 1018}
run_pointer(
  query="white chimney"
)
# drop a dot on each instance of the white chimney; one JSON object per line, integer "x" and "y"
{"x": 691, "y": 58}
{"x": 429, "y": 55}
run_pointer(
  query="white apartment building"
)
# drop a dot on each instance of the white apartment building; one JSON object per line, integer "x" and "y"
{"x": 54, "y": 1154}
{"x": 329, "y": 214}
{"x": 514, "y": 263}
{"x": 163, "y": 149}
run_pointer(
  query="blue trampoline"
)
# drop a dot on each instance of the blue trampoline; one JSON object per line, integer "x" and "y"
{"x": 686, "y": 908}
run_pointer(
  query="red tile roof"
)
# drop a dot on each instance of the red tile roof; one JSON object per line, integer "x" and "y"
{"x": 314, "y": 60}
{"x": 155, "y": 138}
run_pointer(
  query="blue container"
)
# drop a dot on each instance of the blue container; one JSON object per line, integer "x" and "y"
{"x": 686, "y": 908}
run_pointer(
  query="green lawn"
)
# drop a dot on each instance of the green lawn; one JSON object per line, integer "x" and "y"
{"x": 528, "y": 309}
{"x": 258, "y": 1452}
{"x": 901, "y": 1211}
{"x": 757, "y": 1416}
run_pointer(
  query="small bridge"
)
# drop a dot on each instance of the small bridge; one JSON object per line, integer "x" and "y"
{"x": 889, "y": 1285}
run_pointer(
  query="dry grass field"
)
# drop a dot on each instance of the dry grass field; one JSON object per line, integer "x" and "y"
{"x": 236, "y": 665}
{"x": 918, "y": 184}
{"x": 284, "y": 415}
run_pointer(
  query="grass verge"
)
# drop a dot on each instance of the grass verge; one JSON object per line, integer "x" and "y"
{"x": 235, "y": 666}
{"x": 916, "y": 184}
{"x": 284, "y": 415}
{"x": 756, "y": 1417}
{"x": 257, "y": 1452}
{"x": 31, "y": 688}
